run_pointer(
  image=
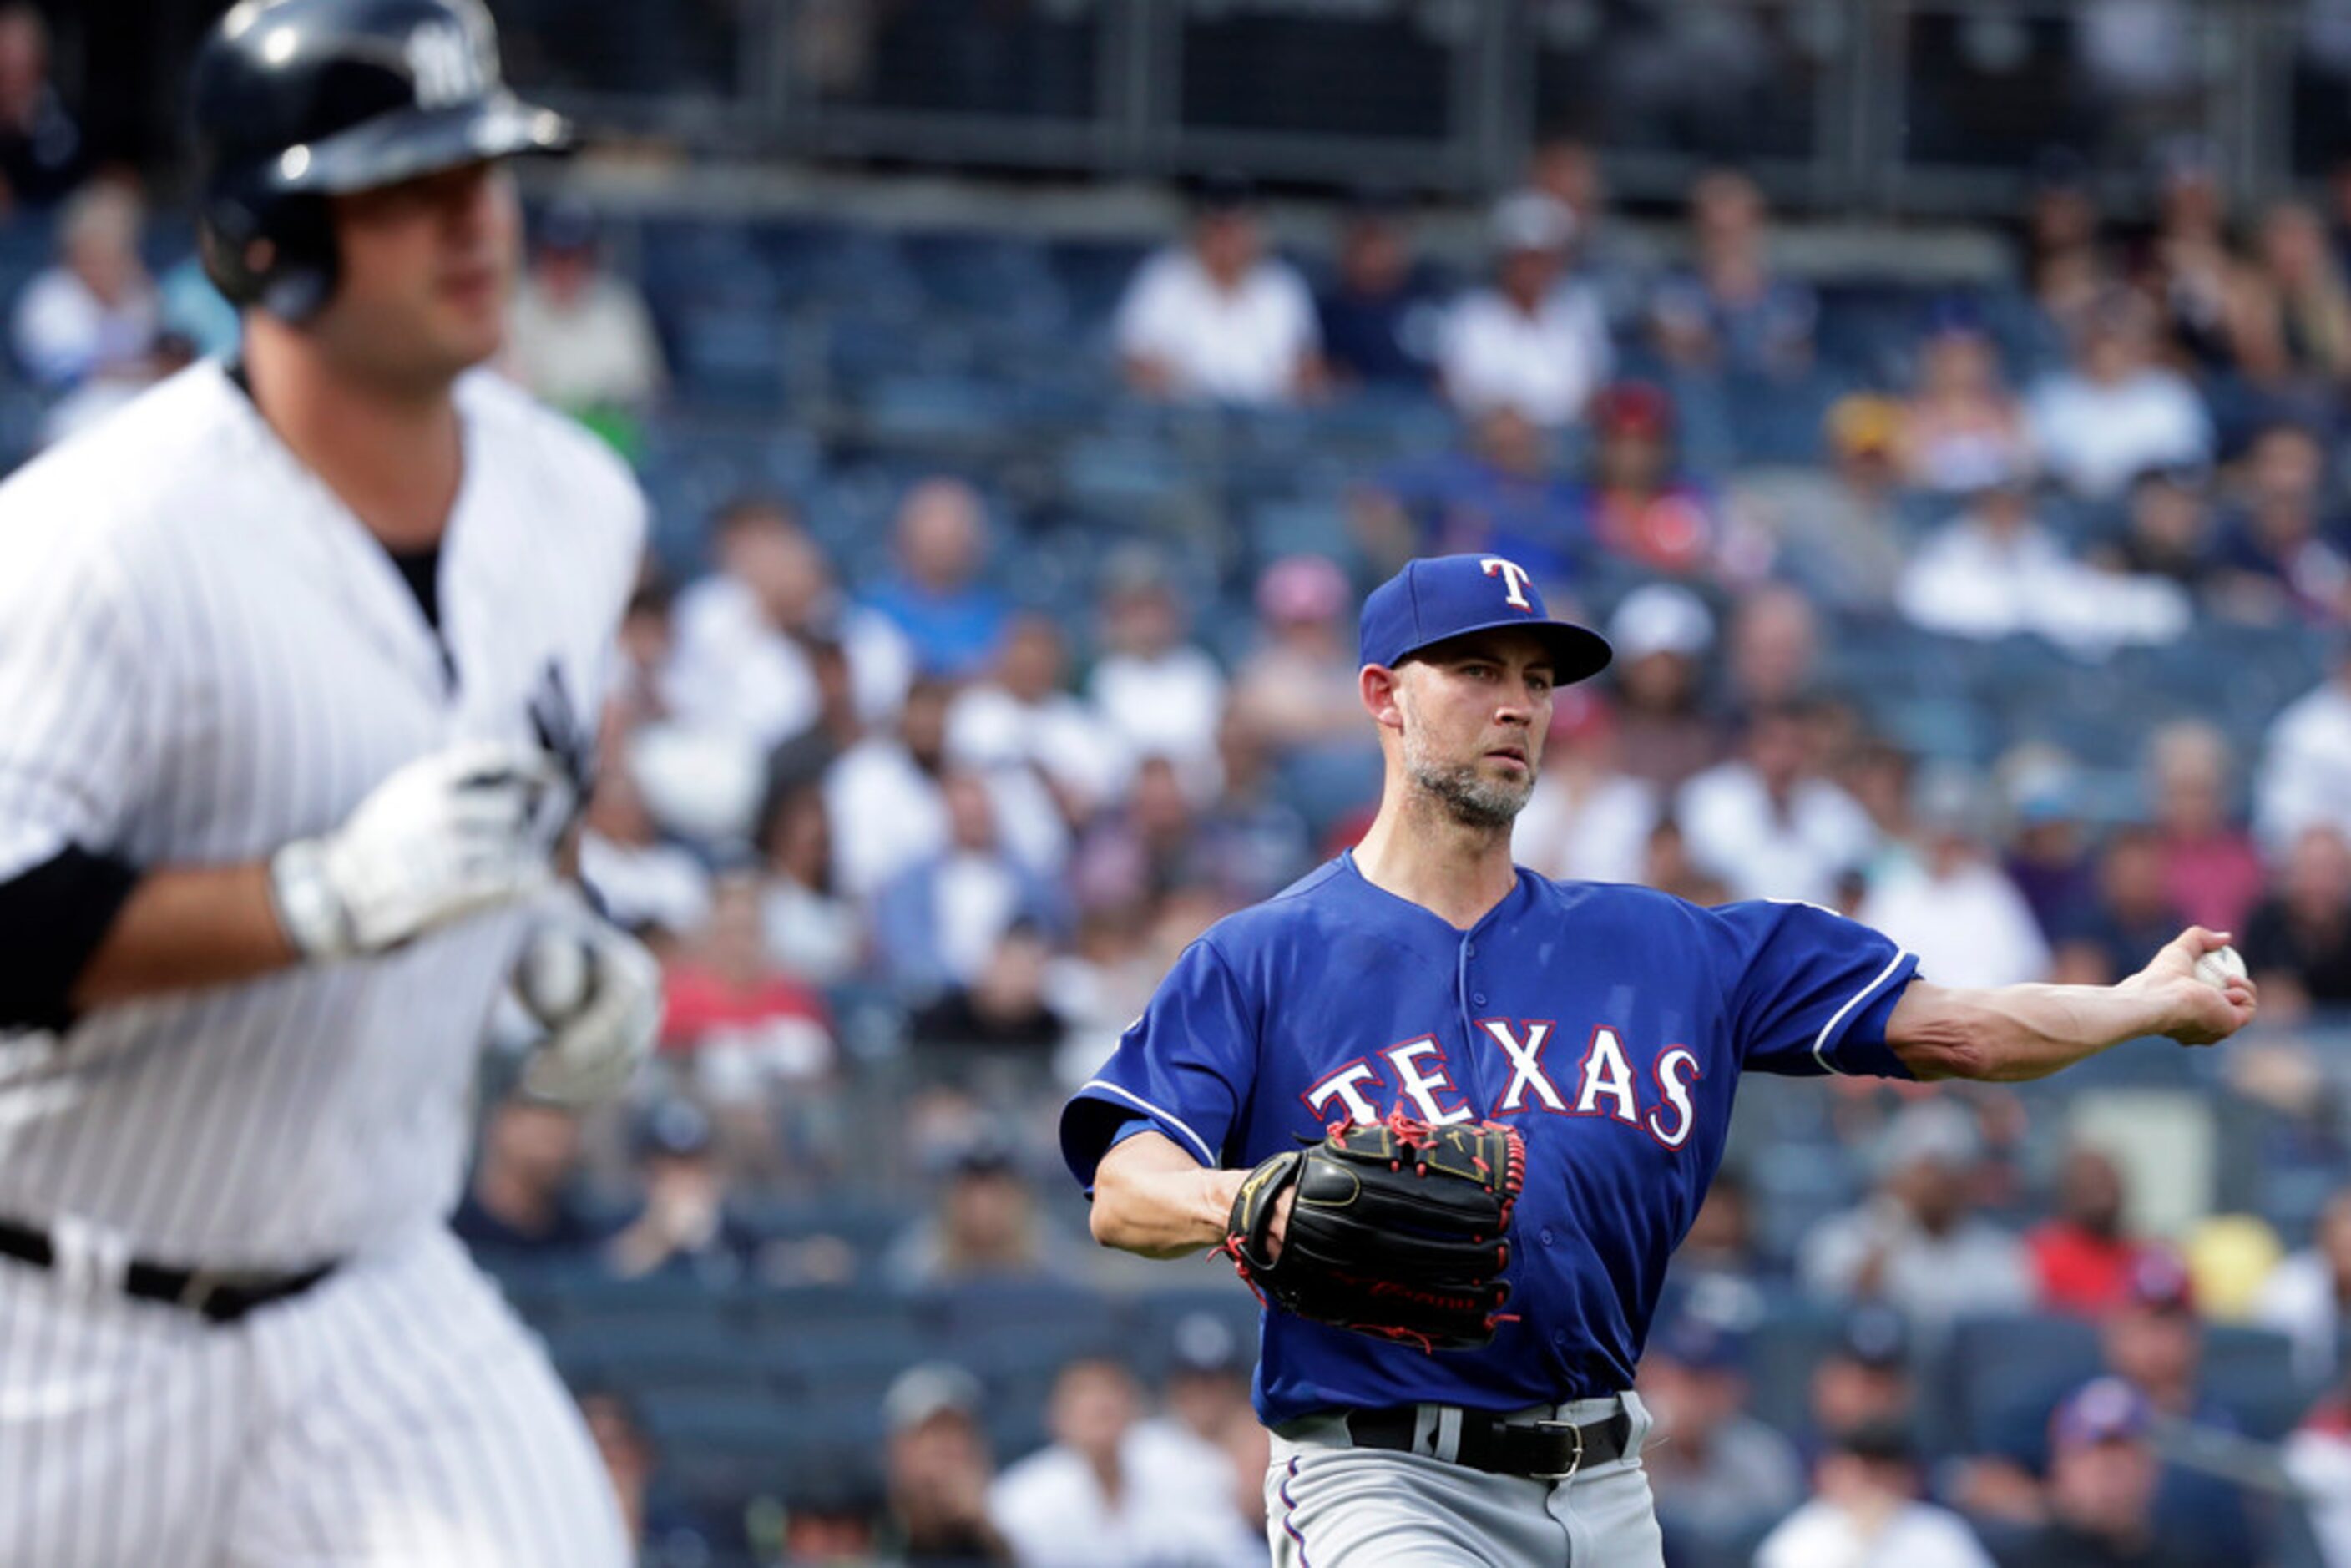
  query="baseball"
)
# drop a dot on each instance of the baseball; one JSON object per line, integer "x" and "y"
{"x": 2221, "y": 965}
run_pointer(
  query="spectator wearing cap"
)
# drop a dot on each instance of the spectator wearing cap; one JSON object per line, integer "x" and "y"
{"x": 1948, "y": 900}
{"x": 1915, "y": 1243}
{"x": 933, "y": 593}
{"x": 984, "y": 1224}
{"x": 526, "y": 1202}
{"x": 2048, "y": 856}
{"x": 1533, "y": 340}
{"x": 1587, "y": 818}
{"x": 2282, "y": 556}
{"x": 937, "y": 1471}
{"x": 1205, "y": 1423}
{"x": 2210, "y": 867}
{"x": 2154, "y": 1342}
{"x": 93, "y": 314}
{"x": 1961, "y": 425}
{"x": 42, "y": 154}
{"x": 1769, "y": 822}
{"x": 2102, "y": 1479}
{"x": 2082, "y": 1255}
{"x": 1156, "y": 693}
{"x": 2116, "y": 412}
{"x": 1837, "y": 530}
{"x": 1863, "y": 1378}
{"x": 1719, "y": 1470}
{"x": 1662, "y": 633}
{"x": 1502, "y": 494}
{"x": 682, "y": 1226}
{"x": 2305, "y": 778}
{"x": 1298, "y": 689}
{"x": 1216, "y": 318}
{"x": 2118, "y": 933}
{"x": 2307, "y": 1297}
{"x": 580, "y": 336}
{"x": 1101, "y": 1495}
{"x": 1637, "y": 507}
{"x": 1732, "y": 310}
{"x": 1379, "y": 317}
{"x": 1865, "y": 1510}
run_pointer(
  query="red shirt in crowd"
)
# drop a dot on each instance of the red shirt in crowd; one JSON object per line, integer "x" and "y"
{"x": 2080, "y": 1271}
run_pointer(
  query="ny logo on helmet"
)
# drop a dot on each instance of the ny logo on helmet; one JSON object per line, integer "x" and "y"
{"x": 444, "y": 66}
{"x": 1514, "y": 577}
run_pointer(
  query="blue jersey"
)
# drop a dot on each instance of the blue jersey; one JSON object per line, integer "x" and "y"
{"x": 1608, "y": 1023}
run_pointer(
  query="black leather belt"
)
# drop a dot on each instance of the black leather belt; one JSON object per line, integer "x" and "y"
{"x": 218, "y": 1295}
{"x": 1538, "y": 1450}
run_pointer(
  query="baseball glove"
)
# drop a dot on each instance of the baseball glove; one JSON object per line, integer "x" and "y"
{"x": 1398, "y": 1230}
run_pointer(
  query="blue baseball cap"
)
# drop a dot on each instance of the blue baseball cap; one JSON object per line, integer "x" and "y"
{"x": 1452, "y": 595}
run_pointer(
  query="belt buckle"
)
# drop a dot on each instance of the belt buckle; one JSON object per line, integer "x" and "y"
{"x": 202, "y": 1286}
{"x": 1573, "y": 1465}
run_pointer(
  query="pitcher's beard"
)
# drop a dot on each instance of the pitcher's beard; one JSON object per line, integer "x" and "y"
{"x": 1489, "y": 804}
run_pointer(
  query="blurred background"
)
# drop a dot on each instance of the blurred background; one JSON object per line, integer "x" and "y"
{"x": 1939, "y": 403}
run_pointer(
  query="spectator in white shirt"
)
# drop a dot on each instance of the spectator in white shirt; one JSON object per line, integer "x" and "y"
{"x": 1949, "y": 901}
{"x": 1025, "y": 717}
{"x": 2304, "y": 1295}
{"x": 1106, "y": 1495}
{"x": 580, "y": 336}
{"x": 95, "y": 313}
{"x": 1215, "y": 319}
{"x": 1766, "y": 823}
{"x": 1865, "y": 1512}
{"x": 1587, "y": 819}
{"x": 1530, "y": 342}
{"x": 2305, "y": 769}
{"x": 2117, "y": 412}
{"x": 645, "y": 884}
{"x": 1157, "y": 695}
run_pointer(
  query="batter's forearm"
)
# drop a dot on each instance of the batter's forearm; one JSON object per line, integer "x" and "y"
{"x": 183, "y": 929}
{"x": 2014, "y": 1033}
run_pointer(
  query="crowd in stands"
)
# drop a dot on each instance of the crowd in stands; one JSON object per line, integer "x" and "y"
{"x": 913, "y": 836}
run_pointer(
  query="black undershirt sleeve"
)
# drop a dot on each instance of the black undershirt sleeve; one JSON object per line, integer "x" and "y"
{"x": 52, "y": 918}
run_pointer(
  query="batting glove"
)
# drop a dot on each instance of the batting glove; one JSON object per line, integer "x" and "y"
{"x": 448, "y": 836}
{"x": 598, "y": 992}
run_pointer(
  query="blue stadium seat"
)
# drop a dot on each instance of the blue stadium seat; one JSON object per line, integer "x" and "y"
{"x": 2252, "y": 1370}
{"x": 638, "y": 1354}
{"x": 2000, "y": 1376}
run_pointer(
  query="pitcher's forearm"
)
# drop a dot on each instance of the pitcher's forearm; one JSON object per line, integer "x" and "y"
{"x": 1145, "y": 1204}
{"x": 2014, "y": 1033}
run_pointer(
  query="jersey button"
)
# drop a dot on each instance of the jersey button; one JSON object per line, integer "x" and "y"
{"x": 1545, "y": 1235}
{"x": 1478, "y": 997}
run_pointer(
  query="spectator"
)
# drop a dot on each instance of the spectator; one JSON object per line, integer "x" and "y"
{"x": 2103, "y": 1474}
{"x": 2280, "y": 557}
{"x": 1865, "y": 1510}
{"x": 2154, "y": 1342}
{"x": 1587, "y": 819}
{"x": 811, "y": 932}
{"x": 2047, "y": 857}
{"x": 1024, "y": 717}
{"x": 2305, "y": 770}
{"x": 1533, "y": 341}
{"x": 955, "y": 624}
{"x": 1251, "y": 843}
{"x": 1862, "y": 1380}
{"x": 1567, "y": 169}
{"x": 937, "y": 923}
{"x": 1915, "y": 1243}
{"x": 1723, "y": 1470}
{"x": 662, "y": 1530}
{"x": 1732, "y": 312}
{"x": 645, "y": 884}
{"x": 1206, "y": 1394}
{"x": 986, "y": 1227}
{"x": 2212, "y": 871}
{"x": 1962, "y": 428}
{"x": 2167, "y": 532}
{"x": 1951, "y": 903}
{"x": 1502, "y": 494}
{"x": 2082, "y": 1255}
{"x": 525, "y": 1203}
{"x": 1142, "y": 851}
{"x": 2131, "y": 918}
{"x": 2317, "y": 1459}
{"x": 938, "y": 1472}
{"x": 1002, "y": 1007}
{"x": 42, "y": 155}
{"x": 742, "y": 1029}
{"x": 2305, "y": 1295}
{"x": 2298, "y": 939}
{"x": 2117, "y": 413}
{"x": 1096, "y": 1500}
{"x": 648, "y": 642}
{"x": 1218, "y": 319}
{"x": 682, "y": 1226}
{"x": 94, "y": 313}
{"x": 2297, "y": 314}
{"x": 886, "y": 802}
{"x": 2064, "y": 266}
{"x": 1836, "y": 530}
{"x": 581, "y": 337}
{"x": 1637, "y": 507}
{"x": 1767, "y": 823}
{"x": 1298, "y": 689}
{"x": 1379, "y": 322}
{"x": 1665, "y": 865}
{"x": 1662, "y": 633}
{"x": 1158, "y": 695}
{"x": 1773, "y": 656}
{"x": 2193, "y": 273}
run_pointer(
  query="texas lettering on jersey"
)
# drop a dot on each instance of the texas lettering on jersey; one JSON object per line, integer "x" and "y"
{"x": 1415, "y": 1075}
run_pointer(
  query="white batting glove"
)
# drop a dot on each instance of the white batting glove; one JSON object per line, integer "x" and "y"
{"x": 598, "y": 992}
{"x": 448, "y": 836}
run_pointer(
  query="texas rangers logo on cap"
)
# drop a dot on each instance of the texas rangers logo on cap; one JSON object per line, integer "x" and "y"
{"x": 1452, "y": 595}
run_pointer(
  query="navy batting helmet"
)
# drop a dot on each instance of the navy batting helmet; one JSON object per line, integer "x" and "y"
{"x": 297, "y": 101}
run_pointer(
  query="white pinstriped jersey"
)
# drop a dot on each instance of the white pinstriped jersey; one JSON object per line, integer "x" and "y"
{"x": 204, "y": 654}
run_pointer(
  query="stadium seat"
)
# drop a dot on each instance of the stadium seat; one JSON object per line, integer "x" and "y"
{"x": 2000, "y": 1376}
{"x": 2252, "y": 1370}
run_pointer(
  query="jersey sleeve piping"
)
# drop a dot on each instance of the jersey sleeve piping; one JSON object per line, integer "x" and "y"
{"x": 1833, "y": 1031}
{"x": 1166, "y": 1118}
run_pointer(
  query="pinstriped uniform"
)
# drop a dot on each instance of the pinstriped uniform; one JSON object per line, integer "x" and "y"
{"x": 202, "y": 656}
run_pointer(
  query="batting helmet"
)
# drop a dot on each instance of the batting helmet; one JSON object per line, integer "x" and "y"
{"x": 297, "y": 101}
